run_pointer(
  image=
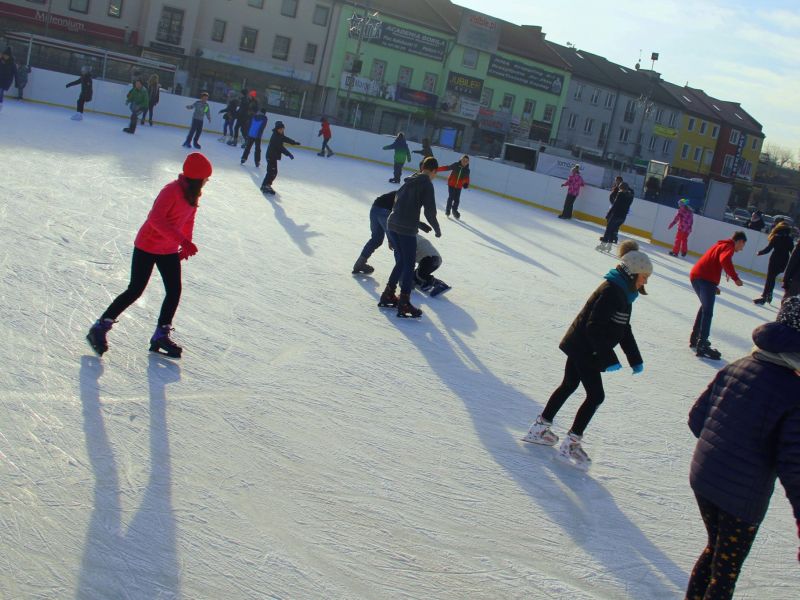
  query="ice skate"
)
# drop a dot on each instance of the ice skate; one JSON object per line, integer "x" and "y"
{"x": 456, "y": 214}
{"x": 77, "y": 117}
{"x": 704, "y": 350}
{"x": 407, "y": 310}
{"x": 361, "y": 266}
{"x": 329, "y": 154}
{"x": 603, "y": 246}
{"x": 128, "y": 130}
{"x": 97, "y": 335}
{"x": 760, "y": 301}
{"x": 267, "y": 189}
{"x": 540, "y": 433}
{"x": 186, "y": 145}
{"x": 320, "y": 154}
{"x": 388, "y": 298}
{"x": 161, "y": 343}
{"x": 439, "y": 287}
{"x": 197, "y": 146}
{"x": 671, "y": 253}
{"x": 571, "y": 452}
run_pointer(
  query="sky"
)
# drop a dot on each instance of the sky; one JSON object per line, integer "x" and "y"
{"x": 738, "y": 50}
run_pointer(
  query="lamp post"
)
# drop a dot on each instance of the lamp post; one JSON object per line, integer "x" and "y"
{"x": 360, "y": 25}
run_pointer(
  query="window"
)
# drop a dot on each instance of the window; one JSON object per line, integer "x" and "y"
{"x": 630, "y": 111}
{"x": 578, "y": 91}
{"x": 115, "y": 8}
{"x": 571, "y": 121}
{"x": 528, "y": 108}
{"x": 603, "y": 135}
{"x": 714, "y": 132}
{"x": 378, "y": 71}
{"x": 690, "y": 126}
{"x": 703, "y": 127}
{"x": 651, "y": 145}
{"x": 745, "y": 166}
{"x": 508, "y": 102}
{"x": 429, "y": 82}
{"x": 321, "y": 14}
{"x": 248, "y": 39}
{"x": 673, "y": 117}
{"x": 256, "y": 3}
{"x": 754, "y": 145}
{"x": 404, "y": 76}
{"x": 289, "y": 8}
{"x": 708, "y": 155}
{"x": 218, "y": 30}
{"x": 666, "y": 147}
{"x": 595, "y": 96}
{"x": 349, "y": 59}
{"x": 624, "y": 133}
{"x": 734, "y": 138}
{"x": 685, "y": 151}
{"x": 81, "y": 6}
{"x": 280, "y": 47}
{"x": 470, "y": 59}
{"x": 170, "y": 26}
{"x": 588, "y": 126}
{"x": 698, "y": 152}
{"x": 610, "y": 99}
{"x": 486, "y": 96}
{"x": 727, "y": 165}
{"x": 311, "y": 54}
{"x": 549, "y": 113}
{"x": 659, "y": 115}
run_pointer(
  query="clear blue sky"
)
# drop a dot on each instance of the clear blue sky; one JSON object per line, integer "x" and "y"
{"x": 737, "y": 50}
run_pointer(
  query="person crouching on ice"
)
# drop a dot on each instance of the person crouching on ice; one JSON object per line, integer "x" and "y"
{"x": 602, "y": 324}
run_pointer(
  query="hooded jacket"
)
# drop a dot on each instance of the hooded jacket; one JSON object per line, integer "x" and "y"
{"x": 325, "y": 130}
{"x": 747, "y": 422}
{"x": 401, "y": 152}
{"x": 459, "y": 175}
{"x": 711, "y": 264}
{"x": 685, "y": 220}
{"x": 415, "y": 194}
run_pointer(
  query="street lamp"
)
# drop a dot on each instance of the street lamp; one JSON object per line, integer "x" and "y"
{"x": 366, "y": 25}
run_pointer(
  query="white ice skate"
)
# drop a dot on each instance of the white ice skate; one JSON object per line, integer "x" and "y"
{"x": 540, "y": 433}
{"x": 77, "y": 117}
{"x": 603, "y": 247}
{"x": 572, "y": 453}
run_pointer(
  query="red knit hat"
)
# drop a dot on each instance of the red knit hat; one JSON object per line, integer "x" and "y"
{"x": 196, "y": 166}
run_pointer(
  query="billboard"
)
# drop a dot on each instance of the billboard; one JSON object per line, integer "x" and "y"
{"x": 409, "y": 41}
{"x": 479, "y": 31}
{"x": 464, "y": 85}
{"x": 525, "y": 74}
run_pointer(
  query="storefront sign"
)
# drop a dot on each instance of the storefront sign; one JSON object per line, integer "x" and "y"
{"x": 469, "y": 109}
{"x": 168, "y": 49}
{"x": 737, "y": 160}
{"x": 65, "y": 23}
{"x": 415, "y": 97}
{"x": 493, "y": 120}
{"x": 479, "y": 31}
{"x": 464, "y": 85}
{"x": 360, "y": 85}
{"x": 667, "y": 132}
{"x": 410, "y": 41}
{"x": 524, "y": 74}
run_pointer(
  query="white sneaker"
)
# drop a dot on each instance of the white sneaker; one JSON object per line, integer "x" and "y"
{"x": 573, "y": 453}
{"x": 539, "y": 433}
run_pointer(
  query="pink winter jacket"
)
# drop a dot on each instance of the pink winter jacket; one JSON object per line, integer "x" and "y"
{"x": 684, "y": 219}
{"x": 574, "y": 184}
{"x": 171, "y": 220}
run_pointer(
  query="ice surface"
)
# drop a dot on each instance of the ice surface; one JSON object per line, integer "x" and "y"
{"x": 310, "y": 445}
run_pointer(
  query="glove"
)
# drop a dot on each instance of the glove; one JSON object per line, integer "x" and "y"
{"x": 425, "y": 227}
{"x": 637, "y": 368}
{"x": 291, "y": 156}
{"x": 466, "y": 186}
{"x": 613, "y": 368}
{"x": 670, "y": 226}
{"x": 438, "y": 234}
{"x": 187, "y": 249}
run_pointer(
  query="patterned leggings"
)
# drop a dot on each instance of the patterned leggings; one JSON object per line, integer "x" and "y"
{"x": 729, "y": 541}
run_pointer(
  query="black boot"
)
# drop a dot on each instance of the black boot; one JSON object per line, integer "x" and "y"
{"x": 704, "y": 350}
{"x": 388, "y": 298}
{"x": 361, "y": 266}
{"x": 161, "y": 342}
{"x": 97, "y": 335}
{"x": 760, "y": 301}
{"x": 406, "y": 309}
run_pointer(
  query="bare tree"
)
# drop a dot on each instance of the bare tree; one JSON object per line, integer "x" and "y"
{"x": 778, "y": 155}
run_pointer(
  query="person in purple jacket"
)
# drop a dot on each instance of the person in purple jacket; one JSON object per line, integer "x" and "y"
{"x": 748, "y": 427}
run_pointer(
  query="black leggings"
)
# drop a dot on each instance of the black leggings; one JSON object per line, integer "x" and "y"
{"x": 577, "y": 372}
{"x": 773, "y": 270}
{"x": 453, "y": 198}
{"x": 169, "y": 265}
{"x": 729, "y": 541}
{"x": 81, "y": 102}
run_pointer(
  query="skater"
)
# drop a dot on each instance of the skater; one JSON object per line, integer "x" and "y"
{"x": 274, "y": 151}
{"x": 402, "y": 155}
{"x": 229, "y": 117}
{"x": 616, "y": 215}
{"x": 248, "y": 108}
{"x": 137, "y": 99}
{"x": 791, "y": 276}
{"x": 685, "y": 219}
{"x": 614, "y": 189}
{"x": 457, "y": 181}
{"x": 378, "y": 215}
{"x": 747, "y": 422}
{"x": 574, "y": 183}
{"x": 415, "y": 194}
{"x": 325, "y": 132}
{"x": 756, "y": 222}
{"x": 780, "y": 244}
{"x": 85, "y": 81}
{"x": 153, "y": 97}
{"x": 425, "y": 150}
{"x": 21, "y": 80}
{"x": 652, "y": 189}
{"x": 201, "y": 109}
{"x": 257, "y": 126}
{"x": 589, "y": 345}
{"x": 705, "y": 277}
{"x": 8, "y": 72}
{"x": 428, "y": 260}
{"x": 163, "y": 241}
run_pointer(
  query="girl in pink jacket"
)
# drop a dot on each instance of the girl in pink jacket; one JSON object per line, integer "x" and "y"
{"x": 574, "y": 183}
{"x": 684, "y": 219}
{"x": 163, "y": 241}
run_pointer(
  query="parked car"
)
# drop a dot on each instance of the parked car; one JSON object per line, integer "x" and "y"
{"x": 741, "y": 216}
{"x": 728, "y": 217}
{"x": 769, "y": 222}
{"x": 788, "y": 220}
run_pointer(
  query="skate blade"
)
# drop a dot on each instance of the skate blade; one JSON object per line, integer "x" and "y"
{"x": 94, "y": 348}
{"x": 538, "y": 442}
{"x": 405, "y": 316}
{"x": 162, "y": 352}
{"x": 582, "y": 467}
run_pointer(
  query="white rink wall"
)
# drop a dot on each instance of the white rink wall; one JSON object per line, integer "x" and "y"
{"x": 646, "y": 219}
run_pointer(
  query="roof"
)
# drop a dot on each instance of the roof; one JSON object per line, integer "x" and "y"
{"x": 731, "y": 113}
{"x": 581, "y": 67}
{"x": 690, "y": 101}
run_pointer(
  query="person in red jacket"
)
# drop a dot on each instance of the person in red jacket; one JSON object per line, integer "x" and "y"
{"x": 325, "y": 132}
{"x": 163, "y": 241}
{"x": 705, "y": 277}
{"x": 458, "y": 180}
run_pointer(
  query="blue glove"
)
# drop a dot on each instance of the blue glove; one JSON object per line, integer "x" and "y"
{"x": 615, "y": 367}
{"x": 637, "y": 368}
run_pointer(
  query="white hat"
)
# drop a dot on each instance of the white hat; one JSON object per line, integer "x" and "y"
{"x": 636, "y": 262}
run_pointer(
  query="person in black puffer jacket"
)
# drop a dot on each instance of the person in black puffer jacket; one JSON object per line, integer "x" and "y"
{"x": 618, "y": 212}
{"x": 780, "y": 244}
{"x": 589, "y": 345}
{"x": 791, "y": 275}
{"x": 748, "y": 427}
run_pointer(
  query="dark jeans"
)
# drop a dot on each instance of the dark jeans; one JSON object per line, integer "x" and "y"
{"x": 577, "y": 372}
{"x": 707, "y": 292}
{"x": 195, "y": 130}
{"x": 325, "y": 147}
{"x": 134, "y": 118}
{"x": 20, "y": 91}
{"x": 148, "y": 111}
{"x": 169, "y": 265}
{"x": 227, "y": 127}
{"x": 242, "y": 125}
{"x": 81, "y": 102}
{"x": 773, "y": 270}
{"x": 377, "y": 225}
{"x": 569, "y": 201}
{"x": 612, "y": 228}
{"x": 453, "y": 198}
{"x": 729, "y": 541}
{"x": 272, "y": 172}
{"x": 398, "y": 171}
{"x": 248, "y": 146}
{"x": 405, "y": 257}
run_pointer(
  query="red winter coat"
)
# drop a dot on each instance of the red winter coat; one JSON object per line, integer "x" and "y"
{"x": 325, "y": 131}
{"x": 171, "y": 220}
{"x": 716, "y": 258}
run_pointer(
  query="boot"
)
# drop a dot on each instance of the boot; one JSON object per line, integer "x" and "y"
{"x": 97, "y": 335}
{"x": 539, "y": 433}
{"x": 760, "y": 301}
{"x": 406, "y": 309}
{"x": 161, "y": 342}
{"x": 572, "y": 452}
{"x": 388, "y": 298}
{"x": 704, "y": 350}
{"x": 361, "y": 266}
{"x": 456, "y": 214}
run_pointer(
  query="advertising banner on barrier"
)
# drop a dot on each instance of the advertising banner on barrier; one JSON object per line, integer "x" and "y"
{"x": 558, "y": 166}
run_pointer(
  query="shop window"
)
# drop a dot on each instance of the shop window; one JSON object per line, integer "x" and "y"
{"x": 486, "y": 96}
{"x": 470, "y": 58}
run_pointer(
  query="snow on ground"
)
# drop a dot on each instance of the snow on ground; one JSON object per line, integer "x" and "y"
{"x": 309, "y": 445}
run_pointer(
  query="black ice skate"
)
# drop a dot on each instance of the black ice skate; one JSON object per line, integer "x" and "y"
{"x": 267, "y": 189}
{"x": 405, "y": 309}
{"x": 161, "y": 343}
{"x": 439, "y": 287}
{"x": 704, "y": 350}
{"x": 361, "y": 266}
{"x": 456, "y": 214}
{"x": 97, "y": 336}
{"x": 388, "y": 298}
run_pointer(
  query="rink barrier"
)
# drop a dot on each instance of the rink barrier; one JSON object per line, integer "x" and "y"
{"x": 646, "y": 219}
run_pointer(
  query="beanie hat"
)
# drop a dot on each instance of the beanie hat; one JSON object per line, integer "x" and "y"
{"x": 627, "y": 246}
{"x": 253, "y": 93}
{"x": 683, "y": 202}
{"x": 789, "y": 314}
{"x": 636, "y": 262}
{"x": 196, "y": 166}
{"x": 278, "y": 125}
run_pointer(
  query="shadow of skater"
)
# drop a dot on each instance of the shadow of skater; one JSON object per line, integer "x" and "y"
{"x": 299, "y": 233}
{"x": 139, "y": 561}
{"x": 579, "y": 505}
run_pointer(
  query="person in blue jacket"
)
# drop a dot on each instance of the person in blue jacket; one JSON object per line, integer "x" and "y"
{"x": 254, "y": 134}
{"x": 747, "y": 425}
